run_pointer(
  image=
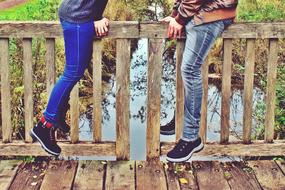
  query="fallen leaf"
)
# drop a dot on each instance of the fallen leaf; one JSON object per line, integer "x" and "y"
{"x": 183, "y": 180}
{"x": 34, "y": 183}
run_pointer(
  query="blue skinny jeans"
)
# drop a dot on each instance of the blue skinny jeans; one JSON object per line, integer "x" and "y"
{"x": 199, "y": 40}
{"x": 78, "y": 39}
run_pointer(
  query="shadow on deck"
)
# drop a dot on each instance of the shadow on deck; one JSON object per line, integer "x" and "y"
{"x": 150, "y": 175}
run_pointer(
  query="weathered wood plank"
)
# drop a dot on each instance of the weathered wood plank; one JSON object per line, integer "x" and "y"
{"x": 281, "y": 165}
{"x": 150, "y": 175}
{"x": 270, "y": 91}
{"x": 257, "y": 148}
{"x": 248, "y": 89}
{"x": 123, "y": 99}
{"x": 28, "y": 84}
{"x": 29, "y": 176}
{"x": 8, "y": 169}
{"x": 5, "y": 91}
{"x": 255, "y": 30}
{"x": 239, "y": 176}
{"x": 226, "y": 91}
{"x": 133, "y": 29}
{"x": 120, "y": 175}
{"x": 179, "y": 111}
{"x": 89, "y": 175}
{"x": 153, "y": 97}
{"x": 210, "y": 175}
{"x": 97, "y": 90}
{"x": 171, "y": 176}
{"x": 52, "y": 29}
{"x": 59, "y": 175}
{"x": 50, "y": 64}
{"x": 80, "y": 149}
{"x": 204, "y": 106}
{"x": 187, "y": 178}
{"x": 74, "y": 113}
{"x": 268, "y": 174}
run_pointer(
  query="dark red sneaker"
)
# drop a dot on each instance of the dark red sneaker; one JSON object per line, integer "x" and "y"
{"x": 44, "y": 132}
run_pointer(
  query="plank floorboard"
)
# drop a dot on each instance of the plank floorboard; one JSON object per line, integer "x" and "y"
{"x": 8, "y": 169}
{"x": 268, "y": 174}
{"x": 240, "y": 177}
{"x": 120, "y": 175}
{"x": 29, "y": 176}
{"x": 89, "y": 175}
{"x": 59, "y": 175}
{"x": 210, "y": 175}
{"x": 150, "y": 175}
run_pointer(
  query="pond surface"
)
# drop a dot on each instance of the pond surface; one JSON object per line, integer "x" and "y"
{"x": 138, "y": 76}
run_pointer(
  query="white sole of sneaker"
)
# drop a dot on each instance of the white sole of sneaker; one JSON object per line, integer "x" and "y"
{"x": 46, "y": 149}
{"x": 184, "y": 159}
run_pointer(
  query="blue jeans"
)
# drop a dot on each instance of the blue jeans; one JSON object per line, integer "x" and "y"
{"x": 78, "y": 39}
{"x": 199, "y": 40}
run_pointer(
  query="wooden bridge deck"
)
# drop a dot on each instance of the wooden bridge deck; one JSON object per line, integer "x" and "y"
{"x": 150, "y": 175}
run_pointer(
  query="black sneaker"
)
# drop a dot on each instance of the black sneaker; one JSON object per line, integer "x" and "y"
{"x": 184, "y": 150}
{"x": 169, "y": 128}
{"x": 63, "y": 126}
{"x": 44, "y": 132}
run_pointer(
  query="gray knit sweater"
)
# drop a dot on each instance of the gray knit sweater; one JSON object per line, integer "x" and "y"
{"x": 80, "y": 11}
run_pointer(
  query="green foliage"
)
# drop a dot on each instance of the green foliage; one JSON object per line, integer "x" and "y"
{"x": 261, "y": 10}
{"x": 27, "y": 159}
{"x": 34, "y": 10}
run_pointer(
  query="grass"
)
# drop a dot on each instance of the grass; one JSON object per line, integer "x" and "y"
{"x": 31, "y": 10}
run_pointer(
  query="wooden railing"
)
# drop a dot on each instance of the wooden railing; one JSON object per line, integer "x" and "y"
{"x": 123, "y": 32}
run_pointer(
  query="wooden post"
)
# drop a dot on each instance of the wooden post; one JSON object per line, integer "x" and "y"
{"x": 97, "y": 90}
{"x": 74, "y": 112}
{"x": 270, "y": 93}
{"x": 5, "y": 91}
{"x": 226, "y": 91}
{"x": 123, "y": 99}
{"x": 179, "y": 111}
{"x": 154, "y": 98}
{"x": 50, "y": 64}
{"x": 204, "y": 107}
{"x": 28, "y": 85}
{"x": 248, "y": 90}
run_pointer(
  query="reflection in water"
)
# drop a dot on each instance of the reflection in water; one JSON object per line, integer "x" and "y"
{"x": 138, "y": 89}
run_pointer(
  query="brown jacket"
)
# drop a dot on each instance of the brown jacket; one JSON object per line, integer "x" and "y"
{"x": 203, "y": 11}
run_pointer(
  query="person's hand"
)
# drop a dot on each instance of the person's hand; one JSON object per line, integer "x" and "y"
{"x": 101, "y": 27}
{"x": 174, "y": 28}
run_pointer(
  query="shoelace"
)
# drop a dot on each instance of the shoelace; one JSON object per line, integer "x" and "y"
{"x": 52, "y": 134}
{"x": 181, "y": 145}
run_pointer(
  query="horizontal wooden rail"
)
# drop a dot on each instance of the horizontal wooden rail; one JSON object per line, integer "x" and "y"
{"x": 17, "y": 148}
{"x": 133, "y": 29}
{"x": 257, "y": 148}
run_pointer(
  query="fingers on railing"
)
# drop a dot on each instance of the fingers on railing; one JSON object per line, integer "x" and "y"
{"x": 154, "y": 97}
{"x": 122, "y": 99}
{"x": 5, "y": 91}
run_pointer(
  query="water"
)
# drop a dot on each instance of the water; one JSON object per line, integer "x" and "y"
{"x": 138, "y": 76}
